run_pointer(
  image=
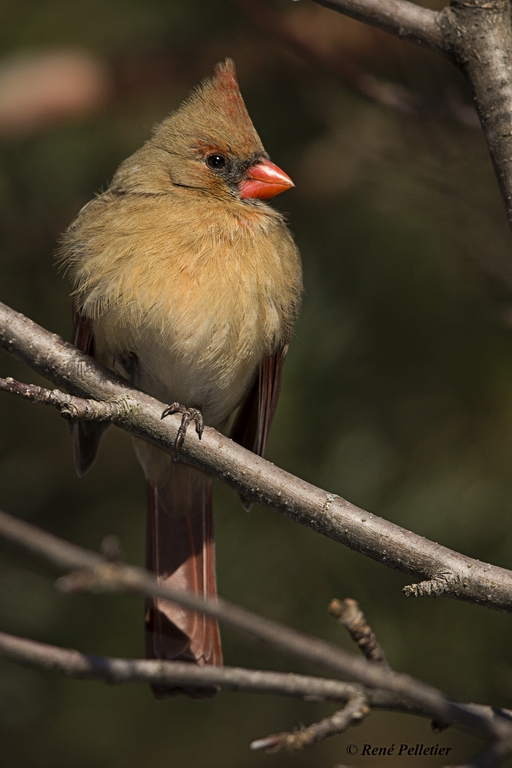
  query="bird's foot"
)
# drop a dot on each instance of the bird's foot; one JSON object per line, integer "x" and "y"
{"x": 188, "y": 415}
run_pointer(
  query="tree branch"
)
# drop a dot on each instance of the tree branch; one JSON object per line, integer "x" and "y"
{"x": 454, "y": 574}
{"x": 70, "y": 407}
{"x": 348, "y": 613}
{"x": 381, "y": 687}
{"x": 355, "y": 710}
{"x": 393, "y": 95}
{"x": 115, "y": 671}
{"x": 75, "y": 664}
{"x": 407, "y": 21}
{"x": 102, "y": 575}
{"x": 477, "y": 36}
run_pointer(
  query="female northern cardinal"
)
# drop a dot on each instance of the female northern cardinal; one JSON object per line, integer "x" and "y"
{"x": 187, "y": 284}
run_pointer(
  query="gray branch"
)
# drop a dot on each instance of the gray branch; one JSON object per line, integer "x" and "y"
{"x": 70, "y": 407}
{"x": 353, "y": 713}
{"x": 479, "y": 36}
{"x": 349, "y": 615}
{"x": 407, "y": 21}
{"x": 453, "y": 574}
{"x": 72, "y": 663}
{"x": 383, "y": 687}
{"x": 476, "y": 35}
{"x": 274, "y": 24}
{"x": 98, "y": 574}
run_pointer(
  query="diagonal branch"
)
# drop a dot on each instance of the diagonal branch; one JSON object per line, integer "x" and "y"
{"x": 100, "y": 574}
{"x": 453, "y": 574}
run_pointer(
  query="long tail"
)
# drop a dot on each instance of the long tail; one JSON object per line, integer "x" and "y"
{"x": 180, "y": 551}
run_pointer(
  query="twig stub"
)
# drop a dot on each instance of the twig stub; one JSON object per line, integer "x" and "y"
{"x": 348, "y": 613}
{"x": 352, "y": 713}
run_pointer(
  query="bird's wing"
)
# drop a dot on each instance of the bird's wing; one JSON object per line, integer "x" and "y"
{"x": 86, "y": 434}
{"x": 252, "y": 424}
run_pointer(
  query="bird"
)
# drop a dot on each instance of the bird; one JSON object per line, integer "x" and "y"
{"x": 187, "y": 284}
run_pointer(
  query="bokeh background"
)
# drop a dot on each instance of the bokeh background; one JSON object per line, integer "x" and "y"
{"x": 397, "y": 390}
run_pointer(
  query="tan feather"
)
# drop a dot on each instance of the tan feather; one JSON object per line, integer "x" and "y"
{"x": 190, "y": 292}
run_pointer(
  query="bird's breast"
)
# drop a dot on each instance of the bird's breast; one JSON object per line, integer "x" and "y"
{"x": 199, "y": 304}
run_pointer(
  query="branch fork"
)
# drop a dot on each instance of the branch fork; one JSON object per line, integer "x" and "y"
{"x": 476, "y": 35}
{"x": 70, "y": 407}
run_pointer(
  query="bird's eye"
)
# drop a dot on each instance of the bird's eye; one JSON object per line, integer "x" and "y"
{"x": 216, "y": 162}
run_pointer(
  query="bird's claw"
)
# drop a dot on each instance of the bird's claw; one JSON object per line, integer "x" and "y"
{"x": 188, "y": 415}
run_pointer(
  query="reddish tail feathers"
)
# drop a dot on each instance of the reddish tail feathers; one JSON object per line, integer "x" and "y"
{"x": 180, "y": 551}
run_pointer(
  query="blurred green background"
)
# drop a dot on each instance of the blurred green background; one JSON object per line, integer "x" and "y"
{"x": 397, "y": 388}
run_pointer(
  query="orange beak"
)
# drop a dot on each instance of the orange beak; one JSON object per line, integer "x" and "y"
{"x": 263, "y": 181}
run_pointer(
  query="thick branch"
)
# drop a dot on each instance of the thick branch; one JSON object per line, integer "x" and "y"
{"x": 455, "y": 575}
{"x": 257, "y": 479}
{"x": 480, "y": 38}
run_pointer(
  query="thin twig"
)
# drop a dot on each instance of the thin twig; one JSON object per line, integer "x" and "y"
{"x": 114, "y": 577}
{"x": 435, "y": 587}
{"x": 70, "y": 407}
{"x": 352, "y": 713}
{"x": 348, "y": 613}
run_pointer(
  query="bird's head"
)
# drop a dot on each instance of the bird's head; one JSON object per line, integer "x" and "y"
{"x": 210, "y": 144}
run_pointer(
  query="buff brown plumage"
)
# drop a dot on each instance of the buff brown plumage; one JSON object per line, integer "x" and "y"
{"x": 187, "y": 283}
